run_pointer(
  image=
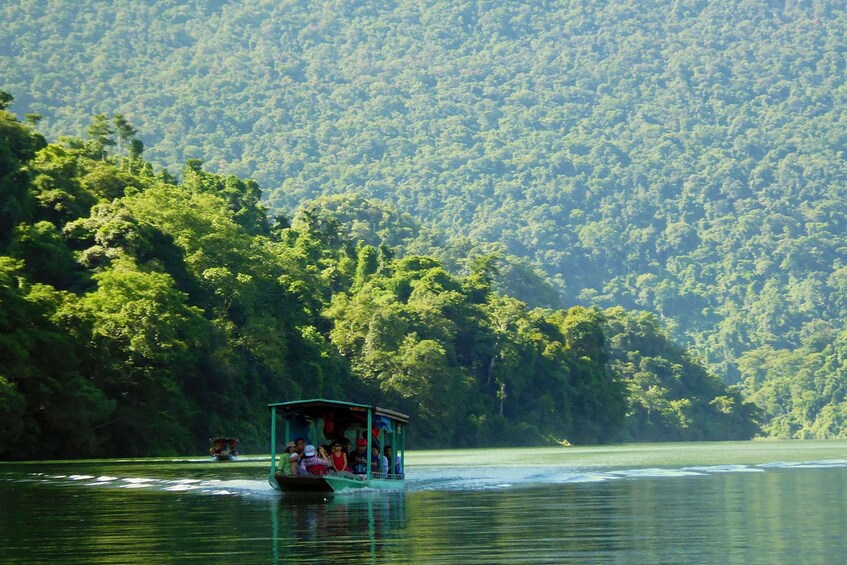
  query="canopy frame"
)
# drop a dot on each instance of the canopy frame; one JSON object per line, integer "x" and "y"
{"x": 302, "y": 409}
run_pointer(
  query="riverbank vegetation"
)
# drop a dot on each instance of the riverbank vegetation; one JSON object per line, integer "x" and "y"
{"x": 684, "y": 157}
{"x": 141, "y": 313}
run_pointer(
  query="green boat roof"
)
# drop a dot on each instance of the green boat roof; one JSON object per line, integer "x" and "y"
{"x": 324, "y": 403}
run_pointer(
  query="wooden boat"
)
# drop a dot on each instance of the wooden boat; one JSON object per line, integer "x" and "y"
{"x": 320, "y": 421}
{"x": 223, "y": 448}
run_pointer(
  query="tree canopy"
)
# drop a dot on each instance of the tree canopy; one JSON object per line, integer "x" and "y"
{"x": 685, "y": 157}
{"x": 141, "y": 314}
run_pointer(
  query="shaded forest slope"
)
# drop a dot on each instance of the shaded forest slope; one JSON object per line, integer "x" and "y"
{"x": 140, "y": 315}
{"x": 681, "y": 156}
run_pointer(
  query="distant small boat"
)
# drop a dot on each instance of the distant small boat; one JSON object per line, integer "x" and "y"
{"x": 223, "y": 448}
{"x": 318, "y": 422}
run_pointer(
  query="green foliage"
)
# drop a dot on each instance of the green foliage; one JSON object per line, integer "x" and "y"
{"x": 671, "y": 395}
{"x": 802, "y": 391}
{"x": 48, "y": 258}
{"x": 5, "y": 99}
{"x": 100, "y": 131}
{"x": 18, "y": 145}
{"x": 683, "y": 157}
{"x": 49, "y": 408}
{"x": 367, "y": 220}
{"x": 12, "y": 417}
{"x": 140, "y": 315}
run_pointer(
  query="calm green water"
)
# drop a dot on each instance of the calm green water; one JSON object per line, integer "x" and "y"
{"x": 746, "y": 502}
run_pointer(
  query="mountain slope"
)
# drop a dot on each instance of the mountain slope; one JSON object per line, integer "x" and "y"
{"x": 139, "y": 316}
{"x": 683, "y": 156}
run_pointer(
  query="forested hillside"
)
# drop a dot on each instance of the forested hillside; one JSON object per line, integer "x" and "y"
{"x": 686, "y": 157}
{"x": 139, "y": 315}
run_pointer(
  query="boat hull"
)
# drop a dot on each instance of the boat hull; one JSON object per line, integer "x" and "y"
{"x": 335, "y": 483}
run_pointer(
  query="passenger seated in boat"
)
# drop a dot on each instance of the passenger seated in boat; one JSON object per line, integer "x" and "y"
{"x": 358, "y": 459}
{"x": 298, "y": 467}
{"x": 315, "y": 463}
{"x": 339, "y": 459}
{"x": 388, "y": 453}
{"x": 285, "y": 458}
{"x": 384, "y": 459}
{"x": 376, "y": 461}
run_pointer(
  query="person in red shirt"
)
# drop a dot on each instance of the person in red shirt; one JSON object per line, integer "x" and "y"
{"x": 338, "y": 459}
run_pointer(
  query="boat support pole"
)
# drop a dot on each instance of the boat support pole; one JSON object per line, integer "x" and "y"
{"x": 370, "y": 437}
{"x": 287, "y": 437}
{"x": 403, "y": 453}
{"x": 392, "y": 468}
{"x": 273, "y": 448}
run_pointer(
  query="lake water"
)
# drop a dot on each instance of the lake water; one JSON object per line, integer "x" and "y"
{"x": 739, "y": 502}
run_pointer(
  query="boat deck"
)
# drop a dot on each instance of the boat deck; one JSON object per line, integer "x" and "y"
{"x": 337, "y": 483}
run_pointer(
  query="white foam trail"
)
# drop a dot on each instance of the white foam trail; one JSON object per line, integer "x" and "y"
{"x": 583, "y": 478}
{"x": 823, "y": 464}
{"x": 656, "y": 472}
{"x": 244, "y": 484}
{"x": 138, "y": 480}
{"x": 180, "y": 488}
{"x": 725, "y": 469}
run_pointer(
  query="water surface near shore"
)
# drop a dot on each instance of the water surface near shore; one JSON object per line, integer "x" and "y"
{"x": 738, "y": 502}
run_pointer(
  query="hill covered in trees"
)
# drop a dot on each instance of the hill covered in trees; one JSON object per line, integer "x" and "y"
{"x": 685, "y": 157}
{"x": 140, "y": 314}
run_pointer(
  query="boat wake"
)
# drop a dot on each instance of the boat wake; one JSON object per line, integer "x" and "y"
{"x": 516, "y": 477}
{"x": 420, "y": 478}
{"x": 247, "y": 487}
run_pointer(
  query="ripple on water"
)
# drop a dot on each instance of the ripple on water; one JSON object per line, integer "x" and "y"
{"x": 657, "y": 473}
{"x": 226, "y": 480}
{"x": 725, "y": 469}
{"x": 823, "y": 464}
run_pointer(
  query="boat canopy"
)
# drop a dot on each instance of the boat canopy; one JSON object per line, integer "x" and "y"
{"x": 317, "y": 407}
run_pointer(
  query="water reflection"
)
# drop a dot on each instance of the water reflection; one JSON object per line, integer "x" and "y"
{"x": 346, "y": 527}
{"x": 773, "y": 514}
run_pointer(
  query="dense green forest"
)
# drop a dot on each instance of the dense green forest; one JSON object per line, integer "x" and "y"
{"x": 140, "y": 314}
{"x": 685, "y": 157}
